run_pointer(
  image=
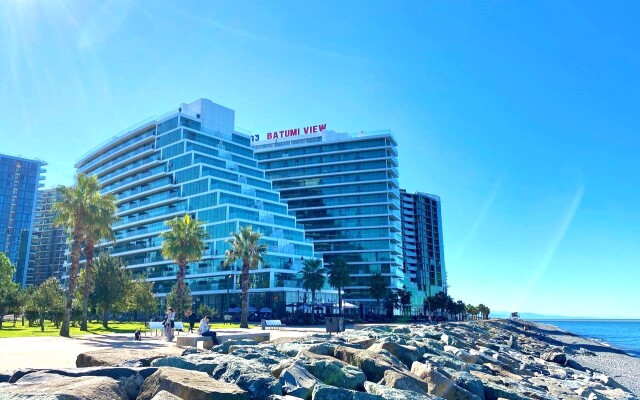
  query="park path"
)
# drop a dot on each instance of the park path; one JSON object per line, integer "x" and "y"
{"x": 59, "y": 352}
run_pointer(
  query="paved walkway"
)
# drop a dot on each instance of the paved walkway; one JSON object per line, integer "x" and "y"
{"x": 59, "y": 352}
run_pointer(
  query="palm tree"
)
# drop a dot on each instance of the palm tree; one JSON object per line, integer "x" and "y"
{"x": 184, "y": 243}
{"x": 378, "y": 288}
{"x": 339, "y": 278}
{"x": 313, "y": 278}
{"x": 245, "y": 246}
{"x": 74, "y": 212}
{"x": 404, "y": 296}
{"x": 98, "y": 227}
{"x": 471, "y": 310}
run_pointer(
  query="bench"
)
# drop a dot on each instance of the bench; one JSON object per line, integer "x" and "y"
{"x": 194, "y": 341}
{"x": 154, "y": 326}
{"x": 222, "y": 336}
{"x": 272, "y": 324}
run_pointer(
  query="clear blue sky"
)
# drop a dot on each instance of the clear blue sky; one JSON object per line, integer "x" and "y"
{"x": 523, "y": 116}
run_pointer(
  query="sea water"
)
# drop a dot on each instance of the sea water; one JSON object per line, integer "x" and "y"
{"x": 623, "y": 334}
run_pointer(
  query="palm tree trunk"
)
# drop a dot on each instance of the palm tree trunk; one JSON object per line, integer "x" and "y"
{"x": 105, "y": 319}
{"x": 245, "y": 294}
{"x": 73, "y": 281}
{"x": 339, "y": 302}
{"x": 182, "y": 266}
{"x": 313, "y": 307}
{"x": 88, "y": 251}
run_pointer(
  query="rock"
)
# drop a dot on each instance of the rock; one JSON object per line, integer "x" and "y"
{"x": 52, "y": 386}
{"x": 116, "y": 357}
{"x": 192, "y": 350}
{"x": 447, "y": 361}
{"x": 364, "y": 342}
{"x": 346, "y": 354}
{"x": 225, "y": 346}
{"x": 555, "y": 356}
{"x": 297, "y": 381}
{"x": 406, "y": 354}
{"x": 286, "y": 397}
{"x": 450, "y": 340}
{"x": 164, "y": 395}
{"x": 326, "y": 392}
{"x": 469, "y": 382}
{"x": 263, "y": 354}
{"x": 513, "y": 343}
{"x": 332, "y": 371}
{"x": 388, "y": 393}
{"x": 584, "y": 352}
{"x": 609, "y": 381}
{"x": 130, "y": 379}
{"x": 575, "y": 365}
{"x": 324, "y": 349}
{"x": 4, "y": 378}
{"x": 189, "y": 385}
{"x": 440, "y": 385}
{"x": 401, "y": 329}
{"x": 374, "y": 365}
{"x": 491, "y": 346}
{"x": 494, "y": 391}
{"x": 404, "y": 381}
{"x": 251, "y": 376}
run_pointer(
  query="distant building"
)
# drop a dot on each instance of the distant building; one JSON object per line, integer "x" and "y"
{"x": 423, "y": 252}
{"x": 20, "y": 179}
{"x": 194, "y": 161}
{"x": 343, "y": 189}
{"x": 48, "y": 243}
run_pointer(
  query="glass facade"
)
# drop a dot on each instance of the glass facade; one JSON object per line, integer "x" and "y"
{"x": 193, "y": 161}
{"x": 422, "y": 245}
{"x": 48, "y": 244}
{"x": 343, "y": 189}
{"x": 19, "y": 182}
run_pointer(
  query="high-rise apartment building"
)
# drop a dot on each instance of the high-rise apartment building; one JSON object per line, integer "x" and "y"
{"x": 194, "y": 161}
{"x": 343, "y": 188}
{"x": 20, "y": 179}
{"x": 48, "y": 243}
{"x": 423, "y": 252}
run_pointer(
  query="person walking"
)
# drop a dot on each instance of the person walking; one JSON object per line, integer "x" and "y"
{"x": 191, "y": 317}
{"x": 203, "y": 329}
{"x": 170, "y": 320}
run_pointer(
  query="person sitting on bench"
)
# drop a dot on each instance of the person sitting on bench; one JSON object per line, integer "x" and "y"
{"x": 203, "y": 329}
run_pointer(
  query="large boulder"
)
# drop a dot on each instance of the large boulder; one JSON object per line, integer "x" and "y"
{"x": 332, "y": 371}
{"x": 297, "y": 381}
{"x": 404, "y": 381}
{"x": 388, "y": 393}
{"x": 253, "y": 377}
{"x": 555, "y": 356}
{"x": 57, "y": 387}
{"x": 407, "y": 354}
{"x": 263, "y": 354}
{"x": 326, "y": 392}
{"x": 225, "y": 347}
{"x": 164, "y": 395}
{"x": 124, "y": 357}
{"x": 439, "y": 384}
{"x": 374, "y": 365}
{"x": 189, "y": 385}
{"x": 130, "y": 379}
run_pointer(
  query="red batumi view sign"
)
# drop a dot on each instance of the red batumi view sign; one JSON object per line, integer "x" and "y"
{"x": 296, "y": 131}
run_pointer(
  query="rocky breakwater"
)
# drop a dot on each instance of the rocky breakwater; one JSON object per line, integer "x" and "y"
{"x": 480, "y": 360}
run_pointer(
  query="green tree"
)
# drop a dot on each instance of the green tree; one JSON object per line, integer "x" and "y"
{"x": 391, "y": 302}
{"x": 48, "y": 298}
{"x": 378, "y": 288}
{"x": 471, "y": 310}
{"x": 404, "y": 296}
{"x": 112, "y": 280}
{"x": 74, "y": 212}
{"x": 339, "y": 278}
{"x": 313, "y": 279}
{"x": 204, "y": 310}
{"x": 183, "y": 244}
{"x": 9, "y": 290}
{"x": 484, "y": 311}
{"x": 245, "y": 247}
{"x": 179, "y": 299}
{"x": 100, "y": 219}
{"x": 460, "y": 309}
{"x": 140, "y": 298}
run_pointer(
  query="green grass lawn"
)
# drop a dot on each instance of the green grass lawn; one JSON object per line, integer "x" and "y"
{"x": 8, "y": 330}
